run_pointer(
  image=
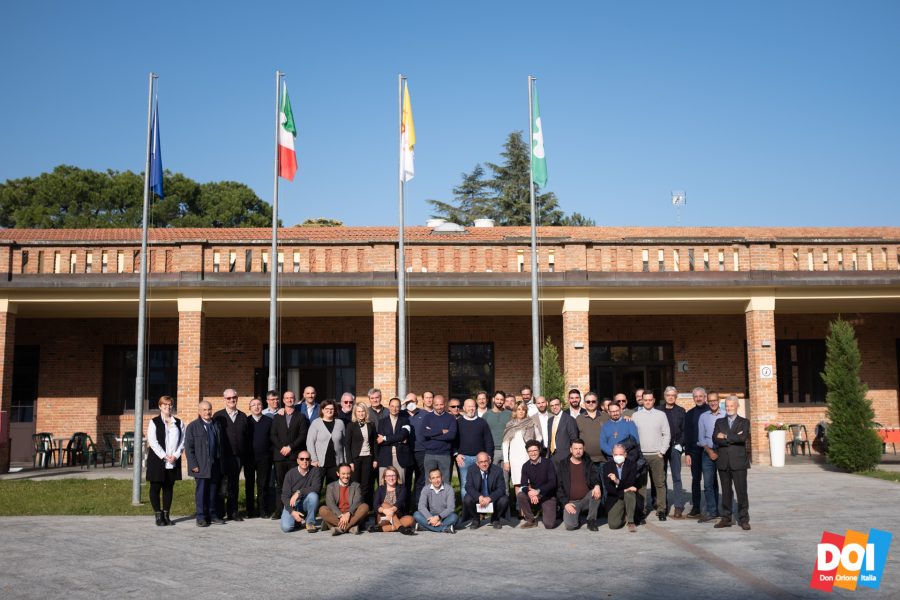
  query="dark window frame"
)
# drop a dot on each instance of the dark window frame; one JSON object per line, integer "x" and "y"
{"x": 117, "y": 378}
{"x": 809, "y": 375}
{"x": 486, "y": 383}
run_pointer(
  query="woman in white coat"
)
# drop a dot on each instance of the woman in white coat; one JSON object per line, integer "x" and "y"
{"x": 520, "y": 429}
{"x": 326, "y": 441}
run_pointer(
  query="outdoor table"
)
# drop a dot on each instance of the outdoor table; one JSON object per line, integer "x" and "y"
{"x": 59, "y": 442}
{"x": 889, "y": 435}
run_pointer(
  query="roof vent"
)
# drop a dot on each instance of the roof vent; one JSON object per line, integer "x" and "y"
{"x": 484, "y": 222}
{"x": 449, "y": 228}
{"x": 432, "y": 223}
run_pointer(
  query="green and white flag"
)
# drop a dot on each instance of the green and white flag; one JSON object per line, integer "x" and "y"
{"x": 538, "y": 159}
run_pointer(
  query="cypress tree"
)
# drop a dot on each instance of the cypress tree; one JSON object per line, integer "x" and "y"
{"x": 852, "y": 443}
{"x": 553, "y": 383}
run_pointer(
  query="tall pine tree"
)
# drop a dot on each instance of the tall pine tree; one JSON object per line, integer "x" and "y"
{"x": 852, "y": 443}
{"x": 512, "y": 190}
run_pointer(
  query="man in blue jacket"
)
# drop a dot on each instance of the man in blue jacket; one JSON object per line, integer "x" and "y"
{"x": 439, "y": 432}
{"x": 616, "y": 429}
{"x": 203, "y": 446}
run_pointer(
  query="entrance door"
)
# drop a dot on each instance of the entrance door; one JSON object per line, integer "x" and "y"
{"x": 624, "y": 367}
{"x": 24, "y": 396}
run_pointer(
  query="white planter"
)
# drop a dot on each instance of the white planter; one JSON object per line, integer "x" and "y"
{"x": 776, "y": 447}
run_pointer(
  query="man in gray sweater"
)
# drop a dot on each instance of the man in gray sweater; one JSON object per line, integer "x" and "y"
{"x": 437, "y": 506}
{"x": 653, "y": 430}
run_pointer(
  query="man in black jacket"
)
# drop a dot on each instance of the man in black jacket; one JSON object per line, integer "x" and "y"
{"x": 562, "y": 428}
{"x": 694, "y": 452}
{"x": 288, "y": 437}
{"x": 578, "y": 487}
{"x": 394, "y": 432}
{"x": 203, "y": 447}
{"x": 672, "y": 459}
{"x": 620, "y": 480}
{"x": 233, "y": 424}
{"x": 485, "y": 485}
{"x": 538, "y": 488}
{"x": 730, "y": 437}
{"x": 258, "y": 466}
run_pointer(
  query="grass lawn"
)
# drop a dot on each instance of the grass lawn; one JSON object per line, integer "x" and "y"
{"x": 86, "y": 497}
{"x": 879, "y": 474}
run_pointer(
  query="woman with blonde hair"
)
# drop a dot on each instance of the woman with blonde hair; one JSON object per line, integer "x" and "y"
{"x": 363, "y": 451}
{"x": 519, "y": 430}
{"x": 390, "y": 504}
{"x": 165, "y": 437}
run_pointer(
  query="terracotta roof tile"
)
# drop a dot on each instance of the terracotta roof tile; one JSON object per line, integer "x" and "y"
{"x": 422, "y": 234}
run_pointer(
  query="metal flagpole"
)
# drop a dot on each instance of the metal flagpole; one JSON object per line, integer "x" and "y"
{"x": 273, "y": 255}
{"x": 142, "y": 317}
{"x": 401, "y": 265}
{"x": 535, "y": 320}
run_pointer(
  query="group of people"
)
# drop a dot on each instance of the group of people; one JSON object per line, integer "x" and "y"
{"x": 389, "y": 468}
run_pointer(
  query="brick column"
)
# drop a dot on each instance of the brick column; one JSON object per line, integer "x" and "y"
{"x": 763, "y": 402}
{"x": 190, "y": 353}
{"x": 384, "y": 347}
{"x": 576, "y": 343}
{"x": 7, "y": 347}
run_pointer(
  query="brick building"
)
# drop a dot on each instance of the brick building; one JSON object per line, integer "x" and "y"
{"x": 738, "y": 310}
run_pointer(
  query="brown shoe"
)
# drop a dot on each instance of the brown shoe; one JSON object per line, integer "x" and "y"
{"x": 694, "y": 514}
{"x": 745, "y": 526}
{"x": 679, "y": 513}
{"x": 724, "y": 522}
{"x": 526, "y": 524}
{"x": 631, "y": 528}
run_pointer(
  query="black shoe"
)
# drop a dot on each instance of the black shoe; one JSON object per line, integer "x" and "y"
{"x": 475, "y": 524}
{"x": 160, "y": 522}
{"x": 166, "y": 518}
{"x": 275, "y": 516}
{"x": 642, "y": 521}
{"x": 592, "y": 525}
{"x": 217, "y": 520}
{"x": 724, "y": 522}
{"x": 202, "y": 523}
{"x": 661, "y": 516}
{"x": 694, "y": 514}
{"x": 406, "y": 530}
{"x": 451, "y": 529}
{"x": 373, "y": 528}
{"x": 497, "y": 525}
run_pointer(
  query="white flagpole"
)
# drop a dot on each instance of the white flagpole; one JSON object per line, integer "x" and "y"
{"x": 401, "y": 265}
{"x": 273, "y": 255}
{"x": 535, "y": 319}
{"x": 138, "y": 453}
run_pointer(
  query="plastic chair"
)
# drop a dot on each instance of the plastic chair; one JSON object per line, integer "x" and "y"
{"x": 43, "y": 449}
{"x": 109, "y": 446}
{"x": 127, "y": 448}
{"x": 74, "y": 450}
{"x": 799, "y": 439}
{"x": 99, "y": 453}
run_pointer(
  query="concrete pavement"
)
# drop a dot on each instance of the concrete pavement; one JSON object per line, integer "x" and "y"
{"x": 80, "y": 557}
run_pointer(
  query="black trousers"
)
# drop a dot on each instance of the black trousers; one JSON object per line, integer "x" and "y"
{"x": 421, "y": 477}
{"x": 470, "y": 512}
{"x": 364, "y": 473}
{"x": 728, "y": 477}
{"x": 256, "y": 485}
{"x": 696, "y": 479}
{"x": 281, "y": 469}
{"x": 227, "y": 499}
{"x": 167, "y": 487}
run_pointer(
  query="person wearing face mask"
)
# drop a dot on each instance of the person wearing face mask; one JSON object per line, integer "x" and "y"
{"x": 730, "y": 437}
{"x": 620, "y": 480}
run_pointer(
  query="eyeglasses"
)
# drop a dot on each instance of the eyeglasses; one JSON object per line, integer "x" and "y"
{"x": 623, "y": 401}
{"x": 303, "y": 458}
{"x": 590, "y": 402}
{"x": 454, "y": 407}
{"x": 231, "y": 397}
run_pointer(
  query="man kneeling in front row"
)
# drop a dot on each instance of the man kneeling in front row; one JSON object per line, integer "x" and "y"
{"x": 486, "y": 491}
{"x": 578, "y": 488}
{"x": 437, "y": 506}
{"x": 344, "y": 508}
{"x": 621, "y": 488}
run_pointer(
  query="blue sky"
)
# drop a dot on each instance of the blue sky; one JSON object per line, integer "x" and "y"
{"x": 766, "y": 113}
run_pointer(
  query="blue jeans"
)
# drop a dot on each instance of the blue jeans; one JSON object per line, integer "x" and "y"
{"x": 468, "y": 462}
{"x": 438, "y": 461}
{"x": 310, "y": 504}
{"x": 673, "y": 462}
{"x": 445, "y": 523}
{"x": 710, "y": 486}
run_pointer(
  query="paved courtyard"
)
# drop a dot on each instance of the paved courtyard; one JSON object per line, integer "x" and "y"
{"x": 90, "y": 557}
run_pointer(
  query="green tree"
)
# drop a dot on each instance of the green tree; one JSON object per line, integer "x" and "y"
{"x": 553, "y": 382}
{"x": 511, "y": 185}
{"x": 70, "y": 197}
{"x": 852, "y": 443}
{"x": 577, "y": 220}
{"x": 472, "y": 200}
{"x": 321, "y": 222}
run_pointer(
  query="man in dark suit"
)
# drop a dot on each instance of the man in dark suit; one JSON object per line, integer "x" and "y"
{"x": 562, "y": 429}
{"x": 258, "y": 464}
{"x": 288, "y": 437}
{"x": 485, "y": 485}
{"x": 730, "y": 436}
{"x": 203, "y": 446}
{"x": 233, "y": 423}
{"x": 620, "y": 480}
{"x": 393, "y": 443}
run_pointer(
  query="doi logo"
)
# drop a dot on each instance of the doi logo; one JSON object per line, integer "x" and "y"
{"x": 850, "y": 561}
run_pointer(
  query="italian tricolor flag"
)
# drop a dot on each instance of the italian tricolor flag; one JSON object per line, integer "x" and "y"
{"x": 287, "y": 131}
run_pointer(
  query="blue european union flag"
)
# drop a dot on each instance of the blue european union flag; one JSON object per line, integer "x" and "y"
{"x": 156, "y": 170}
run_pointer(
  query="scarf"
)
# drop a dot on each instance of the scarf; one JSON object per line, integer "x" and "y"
{"x": 526, "y": 426}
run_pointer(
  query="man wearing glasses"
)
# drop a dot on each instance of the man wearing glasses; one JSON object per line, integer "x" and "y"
{"x": 454, "y": 408}
{"x": 589, "y": 426}
{"x": 300, "y": 495}
{"x": 622, "y": 401}
{"x": 345, "y": 413}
